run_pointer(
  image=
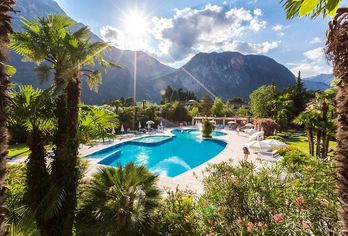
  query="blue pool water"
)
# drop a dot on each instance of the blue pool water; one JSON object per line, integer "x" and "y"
{"x": 175, "y": 156}
{"x": 215, "y": 132}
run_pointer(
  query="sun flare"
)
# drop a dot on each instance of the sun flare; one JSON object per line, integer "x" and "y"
{"x": 136, "y": 24}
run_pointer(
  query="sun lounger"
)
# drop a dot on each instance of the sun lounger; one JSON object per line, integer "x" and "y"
{"x": 273, "y": 156}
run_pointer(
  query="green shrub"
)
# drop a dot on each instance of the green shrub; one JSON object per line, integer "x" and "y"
{"x": 243, "y": 201}
{"x": 177, "y": 215}
{"x": 207, "y": 129}
{"x": 282, "y": 151}
{"x": 15, "y": 181}
{"x": 295, "y": 161}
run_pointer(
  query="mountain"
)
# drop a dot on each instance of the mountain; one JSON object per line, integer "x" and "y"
{"x": 116, "y": 82}
{"x": 314, "y": 85}
{"x": 318, "y": 82}
{"x": 227, "y": 74}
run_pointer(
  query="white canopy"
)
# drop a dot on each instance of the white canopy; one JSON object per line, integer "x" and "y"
{"x": 274, "y": 143}
{"x": 231, "y": 122}
{"x": 150, "y": 122}
{"x": 212, "y": 121}
{"x": 258, "y": 145}
{"x": 256, "y": 136}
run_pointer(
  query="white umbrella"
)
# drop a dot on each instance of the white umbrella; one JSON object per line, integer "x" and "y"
{"x": 231, "y": 122}
{"x": 122, "y": 128}
{"x": 150, "y": 122}
{"x": 212, "y": 121}
{"x": 256, "y": 136}
{"x": 161, "y": 124}
{"x": 274, "y": 143}
{"x": 258, "y": 145}
{"x": 139, "y": 125}
{"x": 113, "y": 131}
{"x": 249, "y": 125}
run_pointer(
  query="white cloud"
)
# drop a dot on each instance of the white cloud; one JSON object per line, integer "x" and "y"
{"x": 111, "y": 34}
{"x": 311, "y": 69}
{"x": 212, "y": 28}
{"x": 313, "y": 64}
{"x": 250, "y": 48}
{"x": 316, "y": 54}
{"x": 277, "y": 27}
{"x": 315, "y": 40}
{"x": 258, "y": 12}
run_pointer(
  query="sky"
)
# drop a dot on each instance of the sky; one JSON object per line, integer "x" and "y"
{"x": 173, "y": 31}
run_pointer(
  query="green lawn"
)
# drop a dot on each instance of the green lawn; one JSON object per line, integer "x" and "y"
{"x": 18, "y": 150}
{"x": 300, "y": 141}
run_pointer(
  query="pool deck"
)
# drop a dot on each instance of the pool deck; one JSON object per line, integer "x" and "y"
{"x": 191, "y": 179}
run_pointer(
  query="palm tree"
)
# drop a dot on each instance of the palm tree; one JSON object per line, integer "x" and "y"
{"x": 337, "y": 52}
{"x": 5, "y": 30}
{"x": 96, "y": 123}
{"x": 32, "y": 109}
{"x": 308, "y": 119}
{"x": 118, "y": 202}
{"x": 67, "y": 54}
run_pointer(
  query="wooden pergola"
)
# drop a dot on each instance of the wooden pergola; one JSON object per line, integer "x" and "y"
{"x": 224, "y": 120}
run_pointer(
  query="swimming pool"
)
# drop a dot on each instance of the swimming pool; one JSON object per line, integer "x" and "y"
{"x": 175, "y": 156}
{"x": 197, "y": 132}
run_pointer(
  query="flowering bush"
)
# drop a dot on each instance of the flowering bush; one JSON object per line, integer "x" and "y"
{"x": 177, "y": 215}
{"x": 248, "y": 201}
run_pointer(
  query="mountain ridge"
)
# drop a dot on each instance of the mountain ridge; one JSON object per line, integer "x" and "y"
{"x": 226, "y": 74}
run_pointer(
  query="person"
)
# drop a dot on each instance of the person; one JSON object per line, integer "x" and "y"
{"x": 246, "y": 153}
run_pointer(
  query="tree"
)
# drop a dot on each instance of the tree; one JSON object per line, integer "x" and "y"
{"x": 207, "y": 129}
{"x": 96, "y": 123}
{"x": 261, "y": 101}
{"x": 218, "y": 107}
{"x": 307, "y": 119}
{"x": 118, "y": 202}
{"x": 206, "y": 105}
{"x": 32, "y": 108}
{"x": 180, "y": 113}
{"x": 6, "y": 7}
{"x": 67, "y": 53}
{"x": 336, "y": 49}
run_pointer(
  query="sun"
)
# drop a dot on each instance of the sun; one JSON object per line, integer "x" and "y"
{"x": 136, "y": 24}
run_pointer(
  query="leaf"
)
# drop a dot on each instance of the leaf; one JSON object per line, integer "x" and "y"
{"x": 43, "y": 72}
{"x": 308, "y": 6}
{"x": 74, "y": 42}
{"x": 10, "y": 70}
{"x": 332, "y": 6}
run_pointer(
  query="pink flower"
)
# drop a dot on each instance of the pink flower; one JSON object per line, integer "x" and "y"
{"x": 324, "y": 202}
{"x": 299, "y": 201}
{"x": 250, "y": 227}
{"x": 206, "y": 202}
{"x": 262, "y": 225}
{"x": 306, "y": 224}
{"x": 278, "y": 217}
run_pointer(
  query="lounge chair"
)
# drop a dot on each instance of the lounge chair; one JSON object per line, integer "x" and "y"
{"x": 273, "y": 156}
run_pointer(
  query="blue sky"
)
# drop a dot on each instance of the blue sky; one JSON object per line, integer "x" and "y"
{"x": 175, "y": 30}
